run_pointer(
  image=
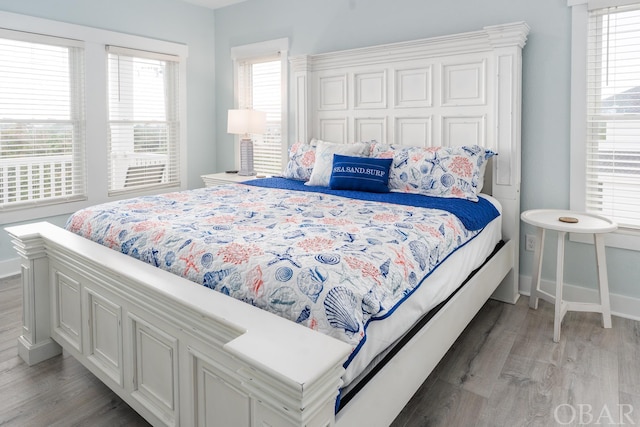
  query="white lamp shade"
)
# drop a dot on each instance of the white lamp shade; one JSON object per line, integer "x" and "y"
{"x": 243, "y": 122}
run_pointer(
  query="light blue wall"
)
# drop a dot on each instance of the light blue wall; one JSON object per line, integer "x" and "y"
{"x": 169, "y": 20}
{"x": 314, "y": 26}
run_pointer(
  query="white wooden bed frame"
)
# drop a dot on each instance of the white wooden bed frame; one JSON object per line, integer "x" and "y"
{"x": 180, "y": 354}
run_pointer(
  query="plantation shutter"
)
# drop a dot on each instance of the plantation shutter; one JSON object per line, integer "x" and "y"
{"x": 144, "y": 126}
{"x": 260, "y": 88}
{"x": 42, "y": 123}
{"x": 613, "y": 114}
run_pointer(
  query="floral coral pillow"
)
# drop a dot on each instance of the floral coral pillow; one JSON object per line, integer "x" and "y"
{"x": 302, "y": 157}
{"x": 455, "y": 172}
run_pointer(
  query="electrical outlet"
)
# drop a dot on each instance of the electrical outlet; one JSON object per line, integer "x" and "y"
{"x": 530, "y": 242}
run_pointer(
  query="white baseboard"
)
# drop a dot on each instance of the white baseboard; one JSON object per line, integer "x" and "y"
{"x": 621, "y": 305}
{"x": 9, "y": 267}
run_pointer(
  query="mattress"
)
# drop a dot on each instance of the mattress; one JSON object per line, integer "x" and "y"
{"x": 336, "y": 262}
{"x": 439, "y": 286}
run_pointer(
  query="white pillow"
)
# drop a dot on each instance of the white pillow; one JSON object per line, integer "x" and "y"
{"x": 321, "y": 173}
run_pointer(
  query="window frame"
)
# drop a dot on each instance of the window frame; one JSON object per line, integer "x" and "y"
{"x": 96, "y": 112}
{"x": 142, "y": 172}
{"x": 624, "y": 238}
{"x": 75, "y": 122}
{"x": 257, "y": 51}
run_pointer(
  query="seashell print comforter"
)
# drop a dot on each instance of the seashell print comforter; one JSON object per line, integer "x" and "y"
{"x": 308, "y": 254}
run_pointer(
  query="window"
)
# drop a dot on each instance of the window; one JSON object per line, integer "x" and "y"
{"x": 143, "y": 120}
{"x": 57, "y": 124}
{"x": 259, "y": 76}
{"x": 608, "y": 145}
{"x": 41, "y": 120}
{"x": 613, "y": 114}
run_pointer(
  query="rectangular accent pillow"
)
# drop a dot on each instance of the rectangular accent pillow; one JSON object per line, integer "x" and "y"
{"x": 321, "y": 173}
{"x": 454, "y": 172}
{"x": 360, "y": 174}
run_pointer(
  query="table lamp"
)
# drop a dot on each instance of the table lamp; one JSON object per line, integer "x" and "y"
{"x": 245, "y": 122}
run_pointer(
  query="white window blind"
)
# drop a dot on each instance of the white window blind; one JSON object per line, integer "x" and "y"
{"x": 260, "y": 88}
{"x": 613, "y": 114}
{"x": 144, "y": 134}
{"x": 41, "y": 120}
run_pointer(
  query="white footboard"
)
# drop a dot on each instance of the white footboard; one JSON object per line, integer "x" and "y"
{"x": 176, "y": 352}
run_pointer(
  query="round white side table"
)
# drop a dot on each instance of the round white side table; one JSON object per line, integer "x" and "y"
{"x": 549, "y": 219}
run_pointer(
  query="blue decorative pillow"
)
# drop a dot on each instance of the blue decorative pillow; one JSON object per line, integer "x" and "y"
{"x": 325, "y": 150}
{"x": 360, "y": 174}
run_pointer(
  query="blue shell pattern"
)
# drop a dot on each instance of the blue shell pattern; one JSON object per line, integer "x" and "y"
{"x": 327, "y": 262}
{"x": 435, "y": 171}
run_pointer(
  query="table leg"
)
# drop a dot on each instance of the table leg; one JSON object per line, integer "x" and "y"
{"x": 557, "y": 321}
{"x": 601, "y": 265}
{"x": 537, "y": 260}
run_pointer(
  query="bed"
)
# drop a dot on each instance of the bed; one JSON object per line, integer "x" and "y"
{"x": 182, "y": 354}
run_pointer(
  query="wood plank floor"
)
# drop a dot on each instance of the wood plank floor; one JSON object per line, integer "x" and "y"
{"x": 504, "y": 370}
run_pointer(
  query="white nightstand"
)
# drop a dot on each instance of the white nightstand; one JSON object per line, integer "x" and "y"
{"x": 549, "y": 219}
{"x": 214, "y": 179}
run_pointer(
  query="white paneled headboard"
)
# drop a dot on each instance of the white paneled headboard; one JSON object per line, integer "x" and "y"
{"x": 443, "y": 91}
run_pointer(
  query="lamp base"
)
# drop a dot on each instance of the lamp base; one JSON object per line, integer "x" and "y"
{"x": 246, "y": 158}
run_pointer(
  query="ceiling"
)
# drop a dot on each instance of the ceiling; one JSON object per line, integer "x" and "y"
{"x": 214, "y": 4}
